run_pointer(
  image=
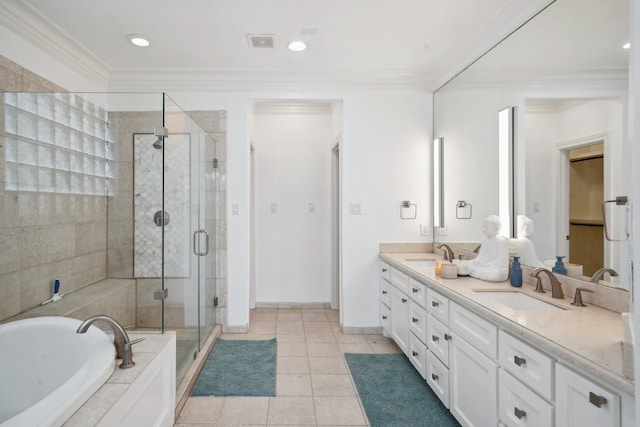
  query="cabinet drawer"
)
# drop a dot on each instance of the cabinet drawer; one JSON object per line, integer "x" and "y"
{"x": 385, "y": 271}
{"x": 417, "y": 292}
{"x": 438, "y": 306}
{"x": 474, "y": 329}
{"x": 418, "y": 321}
{"x": 385, "y": 320}
{"x": 417, "y": 354}
{"x": 533, "y": 368}
{"x": 519, "y": 406}
{"x": 385, "y": 292}
{"x": 399, "y": 280}
{"x": 438, "y": 378}
{"x": 438, "y": 338}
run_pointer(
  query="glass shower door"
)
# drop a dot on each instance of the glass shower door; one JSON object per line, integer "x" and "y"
{"x": 189, "y": 255}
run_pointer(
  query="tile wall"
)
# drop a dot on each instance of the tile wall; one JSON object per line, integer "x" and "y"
{"x": 48, "y": 235}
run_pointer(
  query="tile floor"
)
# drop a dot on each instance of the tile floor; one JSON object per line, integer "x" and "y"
{"x": 314, "y": 387}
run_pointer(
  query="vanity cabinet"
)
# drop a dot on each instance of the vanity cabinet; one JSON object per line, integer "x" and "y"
{"x": 584, "y": 403}
{"x": 487, "y": 376}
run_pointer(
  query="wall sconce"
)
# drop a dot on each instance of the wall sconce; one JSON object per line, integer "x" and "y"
{"x": 505, "y": 171}
{"x": 438, "y": 182}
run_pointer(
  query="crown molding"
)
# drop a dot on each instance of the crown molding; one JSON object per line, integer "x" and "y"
{"x": 30, "y": 25}
{"x": 266, "y": 80}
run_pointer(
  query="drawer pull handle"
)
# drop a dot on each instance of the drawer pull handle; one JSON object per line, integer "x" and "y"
{"x": 434, "y": 303}
{"x": 384, "y": 292}
{"x": 384, "y": 270}
{"x": 519, "y": 412}
{"x": 403, "y": 300}
{"x": 447, "y": 337}
{"x": 414, "y": 290}
{"x": 414, "y": 320}
{"x": 415, "y": 353}
{"x": 384, "y": 317}
{"x": 519, "y": 360}
{"x": 434, "y": 338}
{"x": 434, "y": 377}
{"x": 597, "y": 400}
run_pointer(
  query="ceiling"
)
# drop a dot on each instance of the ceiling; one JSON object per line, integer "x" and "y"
{"x": 390, "y": 43}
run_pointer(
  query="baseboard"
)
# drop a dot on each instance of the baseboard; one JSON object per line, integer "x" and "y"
{"x": 354, "y": 330}
{"x": 293, "y": 305}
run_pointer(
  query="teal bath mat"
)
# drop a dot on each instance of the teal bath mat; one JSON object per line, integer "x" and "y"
{"x": 239, "y": 368}
{"x": 394, "y": 394}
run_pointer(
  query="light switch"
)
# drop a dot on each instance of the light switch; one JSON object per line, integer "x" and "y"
{"x": 312, "y": 207}
{"x": 355, "y": 208}
{"x": 274, "y": 207}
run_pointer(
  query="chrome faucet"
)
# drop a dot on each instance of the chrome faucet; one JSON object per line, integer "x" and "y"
{"x": 556, "y": 286}
{"x": 121, "y": 339}
{"x": 448, "y": 252}
{"x": 600, "y": 273}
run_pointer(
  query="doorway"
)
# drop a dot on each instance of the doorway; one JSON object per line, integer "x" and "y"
{"x": 586, "y": 193}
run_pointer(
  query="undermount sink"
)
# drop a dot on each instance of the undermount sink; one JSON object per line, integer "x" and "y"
{"x": 421, "y": 262}
{"x": 517, "y": 300}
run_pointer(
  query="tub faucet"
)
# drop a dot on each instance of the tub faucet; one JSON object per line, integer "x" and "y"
{"x": 556, "y": 286}
{"x": 600, "y": 273}
{"x": 447, "y": 252}
{"x": 121, "y": 339}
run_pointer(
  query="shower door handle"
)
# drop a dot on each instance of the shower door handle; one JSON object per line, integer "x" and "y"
{"x": 206, "y": 242}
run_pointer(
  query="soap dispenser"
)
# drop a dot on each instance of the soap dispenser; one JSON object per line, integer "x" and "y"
{"x": 515, "y": 278}
{"x": 559, "y": 268}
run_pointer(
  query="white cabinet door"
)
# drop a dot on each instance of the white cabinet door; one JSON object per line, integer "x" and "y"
{"x": 581, "y": 402}
{"x": 400, "y": 319}
{"x": 473, "y": 385}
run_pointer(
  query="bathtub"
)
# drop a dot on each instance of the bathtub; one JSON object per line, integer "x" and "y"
{"x": 47, "y": 370}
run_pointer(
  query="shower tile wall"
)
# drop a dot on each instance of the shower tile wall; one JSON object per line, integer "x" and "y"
{"x": 44, "y": 235}
{"x": 84, "y": 239}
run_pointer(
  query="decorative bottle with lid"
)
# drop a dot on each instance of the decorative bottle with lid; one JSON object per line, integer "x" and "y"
{"x": 515, "y": 278}
{"x": 559, "y": 268}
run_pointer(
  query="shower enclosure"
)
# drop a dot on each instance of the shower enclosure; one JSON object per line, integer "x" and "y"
{"x": 107, "y": 191}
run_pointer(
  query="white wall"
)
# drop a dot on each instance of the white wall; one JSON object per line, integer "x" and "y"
{"x": 293, "y": 169}
{"x": 384, "y": 160}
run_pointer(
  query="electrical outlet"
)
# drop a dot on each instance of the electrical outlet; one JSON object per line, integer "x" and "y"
{"x": 424, "y": 229}
{"x": 442, "y": 231}
{"x": 355, "y": 208}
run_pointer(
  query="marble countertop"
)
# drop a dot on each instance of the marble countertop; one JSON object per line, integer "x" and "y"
{"x": 588, "y": 338}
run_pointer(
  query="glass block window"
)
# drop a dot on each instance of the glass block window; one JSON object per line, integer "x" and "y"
{"x": 56, "y": 143}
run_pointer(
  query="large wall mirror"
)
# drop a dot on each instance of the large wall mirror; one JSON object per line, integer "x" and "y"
{"x": 566, "y": 73}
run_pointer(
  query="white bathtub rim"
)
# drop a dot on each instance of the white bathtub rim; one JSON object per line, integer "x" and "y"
{"x": 48, "y": 412}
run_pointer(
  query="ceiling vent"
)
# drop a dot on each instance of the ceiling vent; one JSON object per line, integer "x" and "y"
{"x": 260, "y": 40}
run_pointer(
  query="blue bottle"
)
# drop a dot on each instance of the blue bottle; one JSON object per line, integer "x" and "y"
{"x": 559, "y": 268}
{"x": 515, "y": 278}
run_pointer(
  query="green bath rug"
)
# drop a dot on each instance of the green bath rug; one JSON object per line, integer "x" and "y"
{"x": 239, "y": 368}
{"x": 394, "y": 394}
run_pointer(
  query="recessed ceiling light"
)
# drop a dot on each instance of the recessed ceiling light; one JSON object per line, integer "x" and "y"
{"x": 297, "y": 46}
{"x": 138, "y": 40}
{"x": 627, "y": 45}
